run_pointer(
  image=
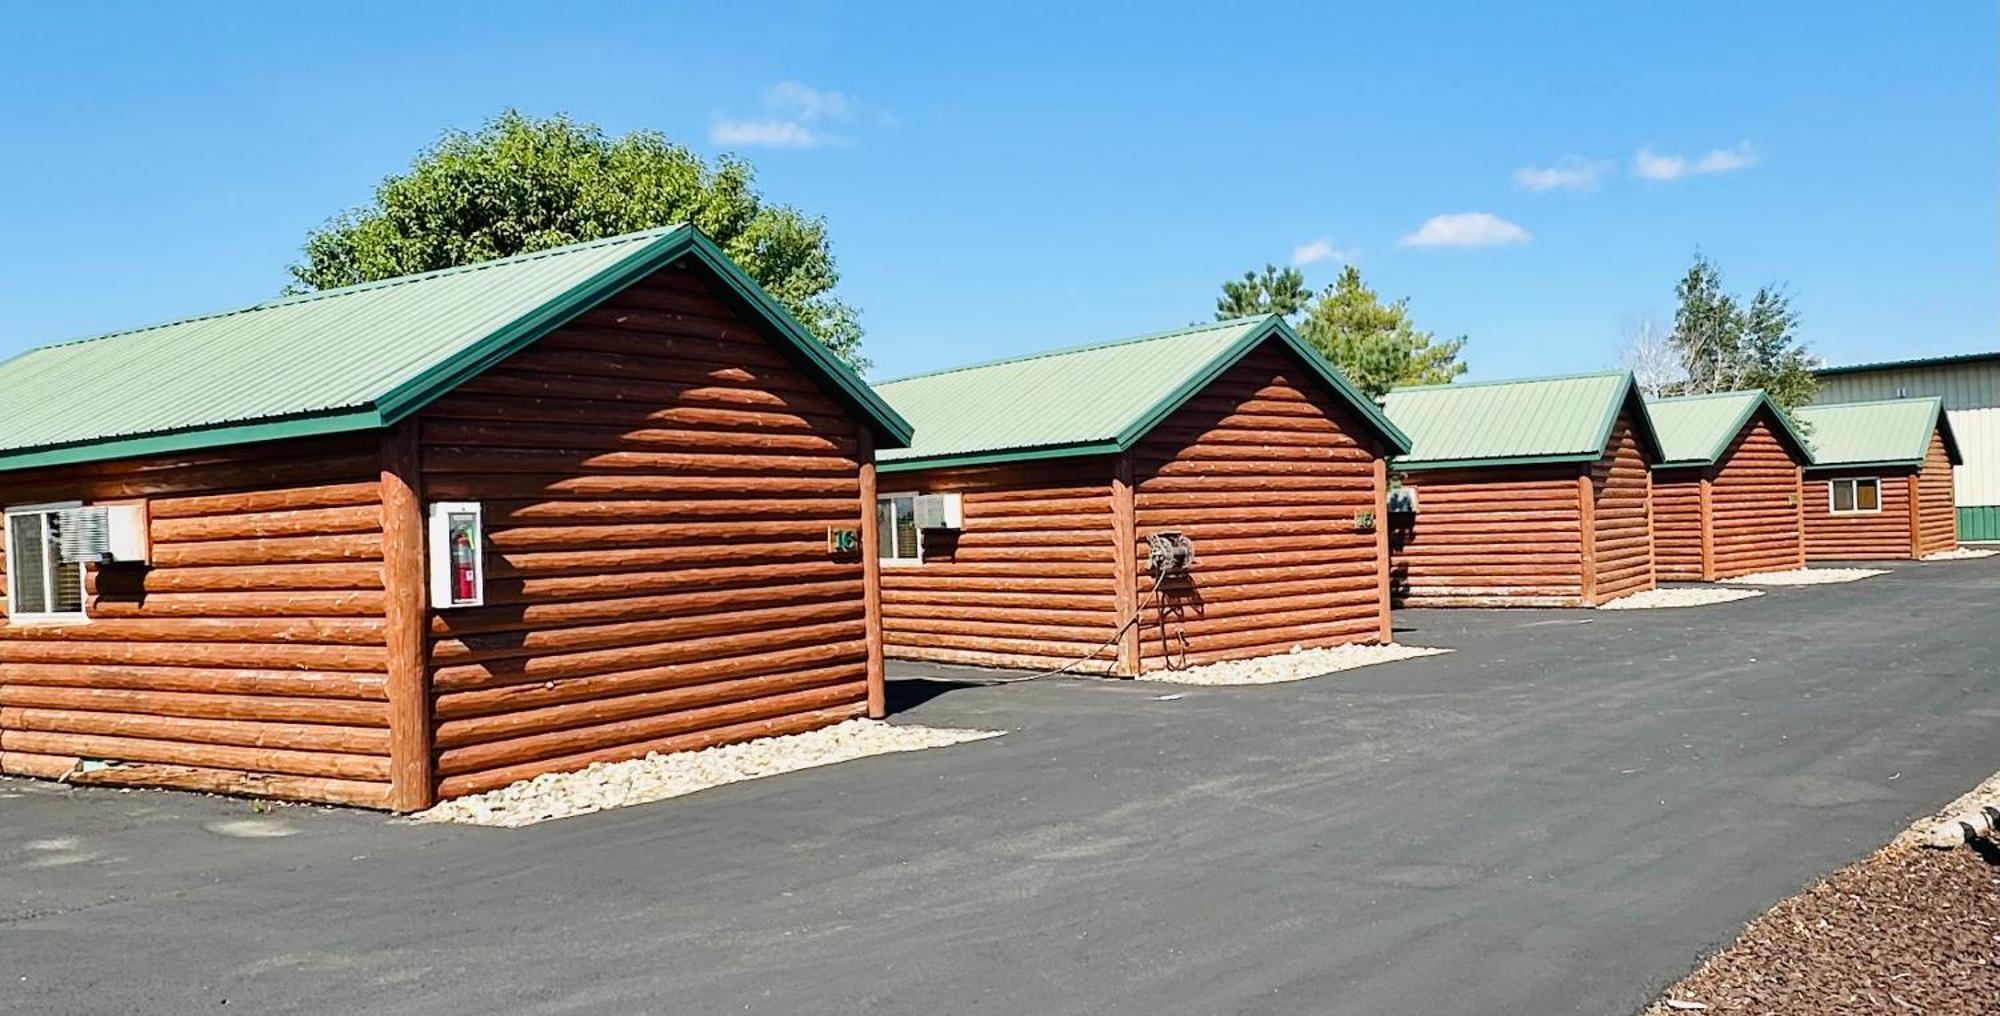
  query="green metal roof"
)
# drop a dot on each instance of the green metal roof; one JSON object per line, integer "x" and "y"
{"x": 1895, "y": 432}
{"x": 1529, "y": 421}
{"x": 1695, "y": 430}
{"x": 346, "y": 359}
{"x": 1090, "y": 400}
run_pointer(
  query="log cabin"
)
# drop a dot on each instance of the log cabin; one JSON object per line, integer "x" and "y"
{"x": 1523, "y": 493}
{"x": 1018, "y": 529}
{"x": 428, "y": 536}
{"x": 1880, "y": 483}
{"x": 1729, "y": 498}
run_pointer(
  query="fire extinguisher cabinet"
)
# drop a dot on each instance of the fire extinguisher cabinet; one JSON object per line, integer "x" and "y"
{"x": 457, "y": 554}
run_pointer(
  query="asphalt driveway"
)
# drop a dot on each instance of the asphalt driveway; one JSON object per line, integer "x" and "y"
{"x": 1558, "y": 818}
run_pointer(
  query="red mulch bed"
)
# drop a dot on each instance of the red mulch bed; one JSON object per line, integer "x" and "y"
{"x": 1909, "y": 930}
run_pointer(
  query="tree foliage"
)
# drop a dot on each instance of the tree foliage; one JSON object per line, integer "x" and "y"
{"x": 1373, "y": 343}
{"x": 1280, "y": 291}
{"x": 1726, "y": 344}
{"x": 520, "y": 184}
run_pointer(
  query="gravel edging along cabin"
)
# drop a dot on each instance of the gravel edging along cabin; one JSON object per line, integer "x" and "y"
{"x": 426, "y": 537}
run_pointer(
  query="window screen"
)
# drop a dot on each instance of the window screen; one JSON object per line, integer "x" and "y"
{"x": 896, "y": 528}
{"x": 38, "y": 582}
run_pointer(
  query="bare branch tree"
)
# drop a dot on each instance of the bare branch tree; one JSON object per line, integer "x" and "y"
{"x": 1650, "y": 354}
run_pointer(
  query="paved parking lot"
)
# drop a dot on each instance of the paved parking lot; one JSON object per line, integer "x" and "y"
{"x": 1558, "y": 818}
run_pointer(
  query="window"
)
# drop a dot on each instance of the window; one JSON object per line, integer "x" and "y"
{"x": 39, "y": 584}
{"x": 896, "y": 529}
{"x": 1854, "y": 496}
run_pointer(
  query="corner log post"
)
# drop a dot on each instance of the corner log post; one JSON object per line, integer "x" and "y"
{"x": 1914, "y": 497}
{"x": 1387, "y": 630}
{"x": 1708, "y": 569}
{"x": 1586, "y": 514}
{"x": 871, "y": 579}
{"x": 412, "y": 763}
{"x": 1125, "y": 564}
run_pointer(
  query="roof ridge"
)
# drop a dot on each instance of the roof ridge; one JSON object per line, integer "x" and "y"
{"x": 1236, "y": 322}
{"x": 392, "y": 281}
{"x": 1732, "y": 393}
{"x": 1509, "y": 381}
{"x": 1872, "y": 402}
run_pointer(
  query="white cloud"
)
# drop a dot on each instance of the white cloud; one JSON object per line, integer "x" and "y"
{"x": 1317, "y": 251}
{"x": 765, "y": 134}
{"x": 1655, "y": 166}
{"x": 1573, "y": 173}
{"x": 1466, "y": 229}
{"x": 796, "y": 116}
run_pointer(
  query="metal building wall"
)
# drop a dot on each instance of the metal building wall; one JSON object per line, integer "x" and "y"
{"x": 1971, "y": 393}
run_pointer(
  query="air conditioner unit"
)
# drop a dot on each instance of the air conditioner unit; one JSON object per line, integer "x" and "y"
{"x": 1403, "y": 501}
{"x": 102, "y": 534}
{"x": 940, "y": 511}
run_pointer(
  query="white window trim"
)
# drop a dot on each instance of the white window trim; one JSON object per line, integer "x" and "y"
{"x": 1855, "y": 481}
{"x": 899, "y": 562}
{"x": 15, "y": 616}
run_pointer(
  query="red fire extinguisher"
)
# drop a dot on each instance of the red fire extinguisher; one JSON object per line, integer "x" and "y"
{"x": 464, "y": 565}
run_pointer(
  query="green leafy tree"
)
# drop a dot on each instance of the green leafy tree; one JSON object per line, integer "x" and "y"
{"x": 1374, "y": 343}
{"x": 1280, "y": 291}
{"x": 520, "y": 184}
{"x": 1725, "y": 344}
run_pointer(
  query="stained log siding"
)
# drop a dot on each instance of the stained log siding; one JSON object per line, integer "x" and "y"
{"x": 1937, "y": 510}
{"x": 1264, "y": 472}
{"x": 1620, "y": 560}
{"x": 1748, "y": 519}
{"x": 1864, "y": 536}
{"x": 658, "y": 481}
{"x": 248, "y": 658}
{"x": 1498, "y": 536}
{"x": 1680, "y": 524}
{"x": 1754, "y": 518}
{"x": 1029, "y": 582}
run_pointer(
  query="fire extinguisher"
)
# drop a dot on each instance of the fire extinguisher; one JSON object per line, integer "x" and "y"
{"x": 464, "y": 566}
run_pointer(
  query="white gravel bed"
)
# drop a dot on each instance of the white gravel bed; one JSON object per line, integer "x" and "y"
{"x": 1688, "y": 596}
{"x": 605, "y": 785}
{"x": 1961, "y": 554}
{"x": 1296, "y": 665}
{"x": 1807, "y": 576}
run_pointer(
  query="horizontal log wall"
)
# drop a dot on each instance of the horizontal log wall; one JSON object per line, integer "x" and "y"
{"x": 1028, "y": 582}
{"x": 1622, "y": 483}
{"x": 248, "y": 658}
{"x": 658, "y": 482}
{"x": 1937, "y": 511}
{"x": 1679, "y": 540}
{"x": 1265, "y": 470}
{"x": 1500, "y": 536}
{"x": 1757, "y": 491}
{"x": 1864, "y": 536}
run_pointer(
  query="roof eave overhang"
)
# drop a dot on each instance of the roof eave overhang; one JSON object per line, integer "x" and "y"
{"x": 168, "y": 442}
{"x": 1506, "y": 462}
{"x": 999, "y": 456}
{"x": 1850, "y": 467}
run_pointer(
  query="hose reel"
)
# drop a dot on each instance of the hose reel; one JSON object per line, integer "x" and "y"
{"x": 1168, "y": 553}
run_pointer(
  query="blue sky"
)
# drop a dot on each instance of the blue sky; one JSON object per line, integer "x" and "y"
{"x": 1002, "y": 178}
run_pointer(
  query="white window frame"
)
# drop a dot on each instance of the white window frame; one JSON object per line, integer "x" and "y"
{"x": 1854, "y": 485}
{"x": 14, "y": 613}
{"x": 898, "y": 562}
